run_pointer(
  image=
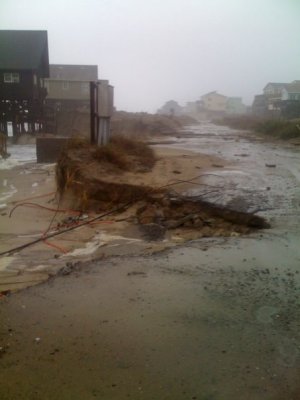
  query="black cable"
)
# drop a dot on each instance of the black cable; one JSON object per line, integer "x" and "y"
{"x": 23, "y": 246}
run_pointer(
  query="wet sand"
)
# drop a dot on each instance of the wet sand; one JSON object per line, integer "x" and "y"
{"x": 31, "y": 185}
{"x": 212, "y": 319}
{"x": 161, "y": 327}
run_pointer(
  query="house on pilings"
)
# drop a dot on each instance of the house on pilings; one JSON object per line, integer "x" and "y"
{"x": 24, "y": 64}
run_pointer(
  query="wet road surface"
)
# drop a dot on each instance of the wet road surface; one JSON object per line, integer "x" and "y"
{"x": 215, "y": 319}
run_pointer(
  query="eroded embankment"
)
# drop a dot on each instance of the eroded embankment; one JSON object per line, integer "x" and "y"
{"x": 98, "y": 180}
{"x": 170, "y": 212}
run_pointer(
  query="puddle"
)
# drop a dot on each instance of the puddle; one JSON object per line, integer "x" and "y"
{"x": 100, "y": 240}
{"x": 266, "y": 314}
{"x": 5, "y": 262}
{"x": 5, "y": 195}
{"x": 289, "y": 352}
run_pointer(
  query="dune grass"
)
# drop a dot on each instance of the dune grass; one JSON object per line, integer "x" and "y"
{"x": 126, "y": 153}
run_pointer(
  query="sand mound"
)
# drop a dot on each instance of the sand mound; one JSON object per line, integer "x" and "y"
{"x": 119, "y": 175}
{"x": 97, "y": 177}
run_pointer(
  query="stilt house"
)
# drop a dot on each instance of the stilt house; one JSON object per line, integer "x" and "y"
{"x": 24, "y": 63}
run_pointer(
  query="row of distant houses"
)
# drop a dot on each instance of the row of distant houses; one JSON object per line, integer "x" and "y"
{"x": 278, "y": 99}
{"x": 211, "y": 105}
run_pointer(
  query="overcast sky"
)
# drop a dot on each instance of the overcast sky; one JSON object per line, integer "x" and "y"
{"x": 156, "y": 50}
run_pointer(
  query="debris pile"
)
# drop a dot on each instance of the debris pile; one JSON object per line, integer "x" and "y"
{"x": 170, "y": 211}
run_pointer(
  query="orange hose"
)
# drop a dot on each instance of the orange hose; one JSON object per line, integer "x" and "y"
{"x": 101, "y": 222}
{"x": 55, "y": 246}
{"x": 34, "y": 197}
{"x": 35, "y": 205}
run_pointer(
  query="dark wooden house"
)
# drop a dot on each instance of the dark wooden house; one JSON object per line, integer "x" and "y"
{"x": 24, "y": 63}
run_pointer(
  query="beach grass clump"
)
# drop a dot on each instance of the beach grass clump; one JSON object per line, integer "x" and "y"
{"x": 113, "y": 155}
{"x": 126, "y": 153}
{"x": 135, "y": 148}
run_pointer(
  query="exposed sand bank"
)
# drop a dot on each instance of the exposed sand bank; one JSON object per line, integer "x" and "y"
{"x": 31, "y": 187}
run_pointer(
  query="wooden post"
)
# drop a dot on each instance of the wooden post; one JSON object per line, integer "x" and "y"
{"x": 93, "y": 127}
{"x": 14, "y": 127}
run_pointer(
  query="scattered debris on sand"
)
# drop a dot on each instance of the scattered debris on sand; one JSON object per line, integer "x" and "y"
{"x": 271, "y": 165}
{"x": 171, "y": 212}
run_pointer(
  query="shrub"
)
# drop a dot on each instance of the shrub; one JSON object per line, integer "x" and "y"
{"x": 126, "y": 153}
{"x": 77, "y": 142}
{"x": 291, "y": 131}
{"x": 112, "y": 154}
{"x": 135, "y": 148}
{"x": 279, "y": 128}
{"x": 271, "y": 127}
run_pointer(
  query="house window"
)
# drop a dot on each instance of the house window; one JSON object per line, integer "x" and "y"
{"x": 85, "y": 88}
{"x": 12, "y": 77}
{"x": 65, "y": 85}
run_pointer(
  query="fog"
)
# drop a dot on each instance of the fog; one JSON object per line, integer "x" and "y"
{"x": 154, "y": 51}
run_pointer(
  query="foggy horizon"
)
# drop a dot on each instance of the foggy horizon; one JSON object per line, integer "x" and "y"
{"x": 172, "y": 50}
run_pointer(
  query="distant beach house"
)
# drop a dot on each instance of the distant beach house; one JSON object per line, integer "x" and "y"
{"x": 290, "y": 100}
{"x": 278, "y": 99}
{"x": 214, "y": 102}
{"x": 291, "y": 91}
{"x": 211, "y": 105}
{"x": 273, "y": 90}
{"x": 235, "y": 106}
{"x": 171, "y": 107}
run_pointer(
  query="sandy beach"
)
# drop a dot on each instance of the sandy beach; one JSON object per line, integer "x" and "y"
{"x": 30, "y": 209}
